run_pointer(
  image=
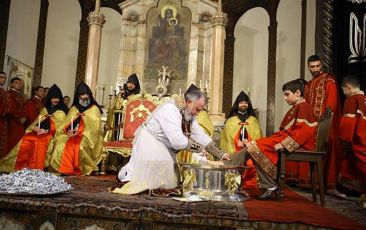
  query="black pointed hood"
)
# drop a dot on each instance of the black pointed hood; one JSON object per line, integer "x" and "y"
{"x": 55, "y": 92}
{"x": 132, "y": 79}
{"x": 234, "y": 110}
{"x": 191, "y": 88}
{"x": 83, "y": 88}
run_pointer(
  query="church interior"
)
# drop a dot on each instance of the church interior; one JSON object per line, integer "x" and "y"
{"x": 126, "y": 59}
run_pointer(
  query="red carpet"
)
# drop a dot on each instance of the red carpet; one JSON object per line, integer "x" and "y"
{"x": 297, "y": 209}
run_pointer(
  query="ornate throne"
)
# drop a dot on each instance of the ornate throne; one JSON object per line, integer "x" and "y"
{"x": 135, "y": 111}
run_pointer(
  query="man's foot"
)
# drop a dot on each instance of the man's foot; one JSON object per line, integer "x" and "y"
{"x": 269, "y": 194}
{"x": 216, "y": 163}
{"x": 336, "y": 193}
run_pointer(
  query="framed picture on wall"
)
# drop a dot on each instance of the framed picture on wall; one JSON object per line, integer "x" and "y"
{"x": 23, "y": 71}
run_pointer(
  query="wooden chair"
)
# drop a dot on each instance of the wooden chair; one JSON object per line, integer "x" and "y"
{"x": 135, "y": 111}
{"x": 314, "y": 158}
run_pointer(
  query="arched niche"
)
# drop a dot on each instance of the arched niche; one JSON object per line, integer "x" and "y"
{"x": 250, "y": 60}
{"x": 235, "y": 11}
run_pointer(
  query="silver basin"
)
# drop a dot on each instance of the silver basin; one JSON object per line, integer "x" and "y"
{"x": 213, "y": 182}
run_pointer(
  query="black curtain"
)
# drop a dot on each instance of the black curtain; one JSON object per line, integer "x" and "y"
{"x": 348, "y": 58}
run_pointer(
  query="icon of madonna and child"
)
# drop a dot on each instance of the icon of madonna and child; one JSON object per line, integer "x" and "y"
{"x": 168, "y": 42}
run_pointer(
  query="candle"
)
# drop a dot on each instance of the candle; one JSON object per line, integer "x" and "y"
{"x": 180, "y": 91}
{"x": 111, "y": 92}
{"x": 96, "y": 93}
{"x": 72, "y": 123}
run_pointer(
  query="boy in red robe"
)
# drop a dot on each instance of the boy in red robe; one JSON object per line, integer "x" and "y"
{"x": 297, "y": 130}
{"x": 15, "y": 115}
{"x": 352, "y": 132}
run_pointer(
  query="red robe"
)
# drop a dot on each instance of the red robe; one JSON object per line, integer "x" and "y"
{"x": 321, "y": 92}
{"x": 3, "y": 123}
{"x": 298, "y": 130}
{"x": 353, "y": 130}
{"x": 15, "y": 112}
{"x": 32, "y": 108}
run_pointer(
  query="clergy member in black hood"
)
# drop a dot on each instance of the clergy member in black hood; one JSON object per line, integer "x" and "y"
{"x": 113, "y": 125}
{"x": 241, "y": 127}
{"x": 35, "y": 148}
{"x": 132, "y": 86}
{"x": 79, "y": 145}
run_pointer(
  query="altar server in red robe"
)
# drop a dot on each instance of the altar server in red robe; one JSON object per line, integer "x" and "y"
{"x": 34, "y": 149}
{"x": 353, "y": 135}
{"x": 297, "y": 130}
{"x": 3, "y": 111}
{"x": 33, "y": 106}
{"x": 15, "y": 115}
{"x": 322, "y": 92}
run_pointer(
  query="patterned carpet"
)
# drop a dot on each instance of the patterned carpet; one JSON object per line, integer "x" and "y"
{"x": 90, "y": 204}
{"x": 90, "y": 197}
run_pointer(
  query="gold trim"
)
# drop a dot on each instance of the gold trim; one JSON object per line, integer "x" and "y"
{"x": 132, "y": 98}
{"x": 289, "y": 124}
{"x": 261, "y": 159}
{"x": 290, "y": 144}
{"x": 361, "y": 113}
{"x": 232, "y": 182}
{"x": 125, "y": 152}
{"x": 313, "y": 124}
{"x": 351, "y": 115}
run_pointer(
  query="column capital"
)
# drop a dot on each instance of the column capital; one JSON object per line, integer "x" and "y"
{"x": 96, "y": 19}
{"x": 220, "y": 19}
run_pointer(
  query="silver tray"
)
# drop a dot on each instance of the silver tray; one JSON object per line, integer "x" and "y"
{"x": 34, "y": 194}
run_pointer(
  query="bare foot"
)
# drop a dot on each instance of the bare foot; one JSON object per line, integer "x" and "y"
{"x": 218, "y": 163}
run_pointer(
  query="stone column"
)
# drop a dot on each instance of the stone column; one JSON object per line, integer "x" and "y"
{"x": 96, "y": 21}
{"x": 4, "y": 21}
{"x": 218, "y": 23}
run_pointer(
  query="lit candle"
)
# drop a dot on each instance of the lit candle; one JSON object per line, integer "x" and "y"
{"x": 111, "y": 92}
{"x": 39, "y": 121}
{"x": 180, "y": 91}
{"x": 72, "y": 123}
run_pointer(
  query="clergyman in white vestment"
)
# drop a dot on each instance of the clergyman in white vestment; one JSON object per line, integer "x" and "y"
{"x": 170, "y": 128}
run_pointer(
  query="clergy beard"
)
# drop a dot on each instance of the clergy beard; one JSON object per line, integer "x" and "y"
{"x": 243, "y": 115}
{"x": 84, "y": 103}
{"x": 186, "y": 115}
